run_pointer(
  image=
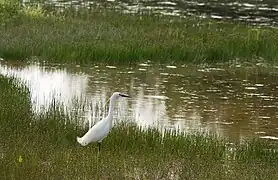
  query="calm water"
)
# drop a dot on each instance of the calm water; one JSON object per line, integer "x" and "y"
{"x": 264, "y": 12}
{"x": 235, "y": 102}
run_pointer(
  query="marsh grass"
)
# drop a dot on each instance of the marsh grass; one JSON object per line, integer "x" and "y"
{"x": 104, "y": 36}
{"x": 45, "y": 147}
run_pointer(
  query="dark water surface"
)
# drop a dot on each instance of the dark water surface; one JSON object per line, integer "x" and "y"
{"x": 234, "y": 101}
{"x": 264, "y": 12}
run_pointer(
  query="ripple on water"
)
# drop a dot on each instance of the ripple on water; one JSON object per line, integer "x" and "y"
{"x": 216, "y": 69}
{"x": 266, "y": 97}
{"x": 156, "y": 97}
{"x": 249, "y": 5}
{"x": 269, "y": 106}
{"x": 252, "y": 94}
{"x": 178, "y": 75}
{"x": 210, "y": 110}
{"x": 111, "y": 67}
{"x": 250, "y": 88}
{"x": 259, "y": 85}
{"x": 224, "y": 97}
{"x": 213, "y": 90}
{"x": 260, "y": 132}
{"x": 100, "y": 82}
{"x": 144, "y": 64}
{"x": 221, "y": 122}
{"x": 263, "y": 117}
{"x": 142, "y": 69}
{"x": 269, "y": 137}
{"x": 167, "y": 3}
{"x": 171, "y": 67}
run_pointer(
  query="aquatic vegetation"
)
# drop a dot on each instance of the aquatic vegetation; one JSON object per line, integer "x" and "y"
{"x": 9, "y": 11}
{"x": 45, "y": 146}
{"x": 88, "y": 36}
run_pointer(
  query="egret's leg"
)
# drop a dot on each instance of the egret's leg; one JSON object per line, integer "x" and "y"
{"x": 98, "y": 146}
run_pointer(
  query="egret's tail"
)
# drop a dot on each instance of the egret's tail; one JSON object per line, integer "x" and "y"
{"x": 79, "y": 140}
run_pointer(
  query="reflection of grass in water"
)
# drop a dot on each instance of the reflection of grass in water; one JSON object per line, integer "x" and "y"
{"x": 46, "y": 147}
{"x": 110, "y": 37}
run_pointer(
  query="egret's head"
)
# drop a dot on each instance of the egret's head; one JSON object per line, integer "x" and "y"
{"x": 118, "y": 94}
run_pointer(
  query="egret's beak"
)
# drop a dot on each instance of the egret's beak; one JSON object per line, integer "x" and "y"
{"x": 124, "y": 95}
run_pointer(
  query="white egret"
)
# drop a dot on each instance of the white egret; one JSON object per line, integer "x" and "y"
{"x": 101, "y": 129}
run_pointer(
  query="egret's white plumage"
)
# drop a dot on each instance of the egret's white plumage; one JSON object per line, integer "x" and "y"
{"x": 101, "y": 129}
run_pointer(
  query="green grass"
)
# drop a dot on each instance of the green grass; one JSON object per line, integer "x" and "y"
{"x": 102, "y": 36}
{"x": 45, "y": 147}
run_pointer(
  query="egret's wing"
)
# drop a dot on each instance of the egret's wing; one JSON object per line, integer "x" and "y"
{"x": 97, "y": 132}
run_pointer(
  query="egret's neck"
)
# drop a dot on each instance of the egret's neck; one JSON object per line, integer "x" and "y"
{"x": 111, "y": 107}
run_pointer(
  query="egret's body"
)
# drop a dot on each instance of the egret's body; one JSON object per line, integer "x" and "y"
{"x": 101, "y": 129}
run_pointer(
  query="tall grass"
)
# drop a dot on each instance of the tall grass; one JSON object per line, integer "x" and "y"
{"x": 45, "y": 147}
{"x": 88, "y": 36}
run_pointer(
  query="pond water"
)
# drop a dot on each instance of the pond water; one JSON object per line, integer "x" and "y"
{"x": 264, "y": 12}
{"x": 233, "y": 101}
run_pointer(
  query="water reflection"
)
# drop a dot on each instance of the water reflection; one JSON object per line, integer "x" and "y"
{"x": 234, "y": 102}
{"x": 46, "y": 84}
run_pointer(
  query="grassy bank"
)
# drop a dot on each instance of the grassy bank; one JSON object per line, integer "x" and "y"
{"x": 45, "y": 147}
{"x": 86, "y": 37}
